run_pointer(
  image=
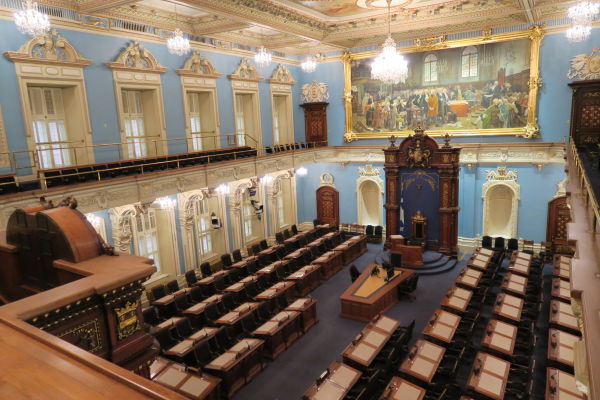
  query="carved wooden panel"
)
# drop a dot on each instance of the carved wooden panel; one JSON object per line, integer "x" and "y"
{"x": 315, "y": 122}
{"x": 559, "y": 215}
{"x": 328, "y": 205}
{"x": 585, "y": 112}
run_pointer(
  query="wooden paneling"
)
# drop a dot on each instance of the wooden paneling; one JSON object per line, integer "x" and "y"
{"x": 585, "y": 112}
{"x": 315, "y": 120}
{"x": 559, "y": 215}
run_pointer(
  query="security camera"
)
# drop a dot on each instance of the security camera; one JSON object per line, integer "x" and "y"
{"x": 258, "y": 208}
{"x": 215, "y": 221}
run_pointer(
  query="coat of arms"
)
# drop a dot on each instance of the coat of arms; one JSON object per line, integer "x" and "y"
{"x": 314, "y": 92}
{"x": 585, "y": 66}
{"x": 418, "y": 156}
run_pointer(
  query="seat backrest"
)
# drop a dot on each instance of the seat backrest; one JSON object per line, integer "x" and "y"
{"x": 205, "y": 269}
{"x": 255, "y": 249}
{"x": 237, "y": 255}
{"x": 378, "y": 230}
{"x": 226, "y": 260}
{"x": 499, "y": 242}
{"x": 190, "y": 277}
{"x": 164, "y": 338}
{"x": 513, "y": 244}
{"x": 228, "y": 302}
{"x": 354, "y": 273}
{"x": 316, "y": 222}
{"x": 212, "y": 312}
{"x": 287, "y": 234}
{"x": 183, "y": 328}
{"x": 150, "y": 315}
{"x": 249, "y": 323}
{"x": 279, "y": 237}
{"x": 158, "y": 291}
{"x": 172, "y": 286}
{"x": 263, "y": 244}
{"x": 294, "y": 229}
{"x": 486, "y": 242}
{"x": 369, "y": 230}
{"x": 197, "y": 294}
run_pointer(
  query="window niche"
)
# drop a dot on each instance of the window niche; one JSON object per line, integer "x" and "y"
{"x": 501, "y": 195}
{"x": 248, "y": 225}
{"x": 53, "y": 99}
{"x": 369, "y": 192}
{"x": 246, "y": 106}
{"x": 199, "y": 87}
{"x": 201, "y": 240}
{"x": 138, "y": 92}
{"x": 282, "y": 202}
{"x": 281, "y": 84}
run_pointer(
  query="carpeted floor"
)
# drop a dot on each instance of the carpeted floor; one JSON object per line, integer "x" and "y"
{"x": 288, "y": 377}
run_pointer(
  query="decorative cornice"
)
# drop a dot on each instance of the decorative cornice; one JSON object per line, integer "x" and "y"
{"x": 281, "y": 75}
{"x": 245, "y": 71}
{"x": 48, "y": 49}
{"x": 136, "y": 58}
{"x": 198, "y": 65}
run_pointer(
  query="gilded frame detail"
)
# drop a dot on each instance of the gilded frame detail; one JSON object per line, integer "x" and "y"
{"x": 529, "y": 131}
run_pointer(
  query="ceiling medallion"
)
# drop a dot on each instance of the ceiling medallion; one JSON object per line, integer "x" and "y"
{"x": 178, "y": 44}
{"x": 31, "y": 21}
{"x": 263, "y": 57}
{"x": 375, "y": 4}
{"x": 582, "y": 14}
{"x": 309, "y": 64}
{"x": 390, "y": 66}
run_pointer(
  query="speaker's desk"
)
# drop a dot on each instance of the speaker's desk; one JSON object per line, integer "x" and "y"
{"x": 371, "y": 294}
{"x": 412, "y": 256}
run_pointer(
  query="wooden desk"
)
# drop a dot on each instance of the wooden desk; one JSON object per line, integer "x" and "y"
{"x": 271, "y": 270}
{"x": 293, "y": 330}
{"x": 242, "y": 264}
{"x": 169, "y": 323}
{"x": 370, "y": 295}
{"x": 519, "y": 268}
{"x": 500, "y": 337}
{"x": 181, "y": 350}
{"x": 489, "y": 376}
{"x": 215, "y": 298}
{"x": 361, "y": 352}
{"x": 330, "y": 262}
{"x": 234, "y": 317}
{"x": 561, "y": 289}
{"x": 520, "y": 254}
{"x": 296, "y": 255}
{"x": 307, "y": 279}
{"x": 307, "y": 307}
{"x": 560, "y": 346}
{"x": 561, "y": 314}
{"x": 401, "y": 389}
{"x": 487, "y": 252}
{"x": 442, "y": 326}
{"x": 412, "y": 256}
{"x": 213, "y": 278}
{"x": 561, "y": 386}
{"x": 423, "y": 360}
{"x": 508, "y": 307}
{"x": 479, "y": 263}
{"x": 238, "y": 365}
{"x": 395, "y": 242}
{"x": 336, "y": 384}
{"x": 176, "y": 378}
{"x": 384, "y": 324}
{"x": 514, "y": 284}
{"x": 276, "y": 333}
{"x": 562, "y": 271}
{"x": 456, "y": 299}
{"x": 469, "y": 278}
{"x": 352, "y": 248}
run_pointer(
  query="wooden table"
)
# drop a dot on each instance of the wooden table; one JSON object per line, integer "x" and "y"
{"x": 561, "y": 386}
{"x": 307, "y": 307}
{"x": 560, "y": 346}
{"x": 508, "y": 307}
{"x": 561, "y": 314}
{"x": 335, "y": 383}
{"x": 352, "y": 248}
{"x": 423, "y": 360}
{"x": 238, "y": 365}
{"x": 514, "y": 284}
{"x": 176, "y": 378}
{"x": 489, "y": 376}
{"x": 561, "y": 289}
{"x": 361, "y": 352}
{"x": 442, "y": 326}
{"x": 293, "y": 330}
{"x": 401, "y": 389}
{"x": 469, "y": 278}
{"x": 307, "y": 279}
{"x": 370, "y": 294}
{"x": 276, "y": 333}
{"x": 456, "y": 299}
{"x": 500, "y": 337}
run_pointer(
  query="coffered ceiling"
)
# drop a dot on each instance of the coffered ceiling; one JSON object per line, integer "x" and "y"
{"x": 309, "y": 26}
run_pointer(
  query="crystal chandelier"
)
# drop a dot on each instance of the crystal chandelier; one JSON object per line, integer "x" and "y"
{"x": 262, "y": 58}
{"x": 389, "y": 66}
{"x": 31, "y": 21}
{"x": 178, "y": 44}
{"x": 309, "y": 64}
{"x": 582, "y": 14}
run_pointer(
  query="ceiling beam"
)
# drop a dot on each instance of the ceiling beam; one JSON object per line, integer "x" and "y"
{"x": 219, "y": 26}
{"x": 102, "y": 5}
{"x": 528, "y": 10}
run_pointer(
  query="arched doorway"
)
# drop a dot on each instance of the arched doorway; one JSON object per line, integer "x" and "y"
{"x": 328, "y": 205}
{"x": 369, "y": 203}
{"x": 501, "y": 195}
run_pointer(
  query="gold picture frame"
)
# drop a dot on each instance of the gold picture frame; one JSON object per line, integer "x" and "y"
{"x": 531, "y": 128}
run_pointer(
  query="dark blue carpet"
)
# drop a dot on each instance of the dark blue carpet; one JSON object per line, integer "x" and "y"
{"x": 295, "y": 370}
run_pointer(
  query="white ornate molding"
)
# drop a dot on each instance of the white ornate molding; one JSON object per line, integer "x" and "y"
{"x": 4, "y": 157}
{"x": 282, "y": 75}
{"x": 561, "y": 188}
{"x": 326, "y": 179}
{"x": 245, "y": 71}
{"x": 314, "y": 92}
{"x": 48, "y": 49}
{"x": 501, "y": 177}
{"x": 537, "y": 154}
{"x": 585, "y": 66}
{"x": 122, "y": 232}
{"x": 368, "y": 170}
{"x": 135, "y": 57}
{"x": 199, "y": 66}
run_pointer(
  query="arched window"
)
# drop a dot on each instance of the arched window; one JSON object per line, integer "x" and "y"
{"x": 470, "y": 62}
{"x": 430, "y": 68}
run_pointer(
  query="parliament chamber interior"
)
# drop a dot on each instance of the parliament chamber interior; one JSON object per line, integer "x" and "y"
{"x": 297, "y": 199}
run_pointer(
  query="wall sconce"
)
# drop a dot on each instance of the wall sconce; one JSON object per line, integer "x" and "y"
{"x": 222, "y": 189}
{"x": 539, "y": 166}
{"x": 301, "y": 171}
{"x": 166, "y": 202}
{"x": 469, "y": 165}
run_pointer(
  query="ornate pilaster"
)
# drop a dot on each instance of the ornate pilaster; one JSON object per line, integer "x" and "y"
{"x": 392, "y": 208}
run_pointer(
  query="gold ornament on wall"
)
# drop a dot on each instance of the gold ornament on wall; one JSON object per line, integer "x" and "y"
{"x": 127, "y": 319}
